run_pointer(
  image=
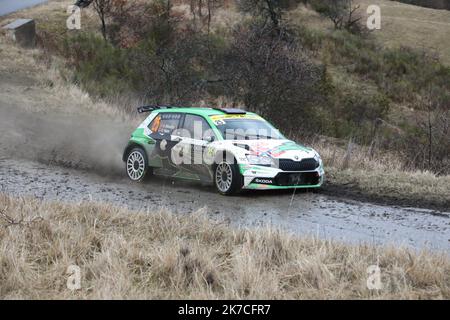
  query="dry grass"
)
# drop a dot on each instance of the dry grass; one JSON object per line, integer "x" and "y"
{"x": 382, "y": 176}
{"x": 124, "y": 254}
{"x": 35, "y": 82}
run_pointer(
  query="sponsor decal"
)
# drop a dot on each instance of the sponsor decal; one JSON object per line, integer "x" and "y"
{"x": 220, "y": 119}
{"x": 155, "y": 124}
{"x": 211, "y": 151}
{"x": 274, "y": 148}
{"x": 263, "y": 181}
{"x": 286, "y": 146}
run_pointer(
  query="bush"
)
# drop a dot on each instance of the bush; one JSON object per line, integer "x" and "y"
{"x": 344, "y": 14}
{"x": 100, "y": 68}
{"x": 135, "y": 21}
{"x": 267, "y": 70}
{"x": 180, "y": 72}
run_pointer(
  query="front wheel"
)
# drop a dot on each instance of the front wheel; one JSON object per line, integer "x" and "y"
{"x": 137, "y": 165}
{"x": 227, "y": 178}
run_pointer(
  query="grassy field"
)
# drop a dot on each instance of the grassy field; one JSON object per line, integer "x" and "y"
{"x": 402, "y": 25}
{"x": 35, "y": 82}
{"x": 124, "y": 254}
{"x": 413, "y": 26}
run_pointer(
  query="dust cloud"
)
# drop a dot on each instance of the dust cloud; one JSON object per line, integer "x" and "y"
{"x": 88, "y": 142}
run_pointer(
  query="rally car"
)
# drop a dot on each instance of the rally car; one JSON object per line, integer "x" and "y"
{"x": 230, "y": 148}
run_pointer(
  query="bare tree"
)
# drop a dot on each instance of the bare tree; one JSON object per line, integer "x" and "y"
{"x": 204, "y": 9}
{"x": 211, "y": 5}
{"x": 343, "y": 13}
{"x": 103, "y": 9}
{"x": 267, "y": 72}
{"x": 435, "y": 126}
{"x": 268, "y": 10}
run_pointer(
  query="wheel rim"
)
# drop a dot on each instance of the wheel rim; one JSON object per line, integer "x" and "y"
{"x": 135, "y": 165}
{"x": 224, "y": 177}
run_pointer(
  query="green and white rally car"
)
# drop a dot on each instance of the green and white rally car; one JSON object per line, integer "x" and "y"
{"x": 229, "y": 148}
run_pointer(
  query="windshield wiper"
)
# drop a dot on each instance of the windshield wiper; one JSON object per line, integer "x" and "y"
{"x": 265, "y": 137}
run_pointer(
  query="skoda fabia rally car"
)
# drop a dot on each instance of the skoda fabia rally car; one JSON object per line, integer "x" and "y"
{"x": 229, "y": 148}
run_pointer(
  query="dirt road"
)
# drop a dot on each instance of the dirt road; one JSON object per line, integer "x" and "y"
{"x": 302, "y": 213}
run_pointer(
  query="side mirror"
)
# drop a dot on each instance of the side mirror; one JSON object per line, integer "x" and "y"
{"x": 210, "y": 139}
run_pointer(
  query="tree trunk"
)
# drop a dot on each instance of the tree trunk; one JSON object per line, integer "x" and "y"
{"x": 430, "y": 139}
{"x": 102, "y": 18}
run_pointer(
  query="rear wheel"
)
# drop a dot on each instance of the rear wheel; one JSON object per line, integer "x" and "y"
{"x": 137, "y": 164}
{"x": 227, "y": 178}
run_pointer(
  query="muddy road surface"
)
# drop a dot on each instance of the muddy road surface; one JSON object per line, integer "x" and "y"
{"x": 71, "y": 158}
{"x": 302, "y": 213}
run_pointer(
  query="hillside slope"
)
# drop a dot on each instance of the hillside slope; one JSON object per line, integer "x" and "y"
{"x": 413, "y": 26}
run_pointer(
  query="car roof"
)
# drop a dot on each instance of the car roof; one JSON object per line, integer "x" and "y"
{"x": 197, "y": 111}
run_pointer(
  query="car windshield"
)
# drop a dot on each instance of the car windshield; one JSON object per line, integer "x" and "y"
{"x": 245, "y": 128}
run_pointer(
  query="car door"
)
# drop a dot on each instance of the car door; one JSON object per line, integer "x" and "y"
{"x": 162, "y": 129}
{"x": 196, "y": 135}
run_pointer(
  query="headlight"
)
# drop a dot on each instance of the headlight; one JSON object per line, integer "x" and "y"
{"x": 259, "y": 160}
{"x": 318, "y": 159}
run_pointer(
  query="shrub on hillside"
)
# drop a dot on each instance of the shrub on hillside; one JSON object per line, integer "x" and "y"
{"x": 359, "y": 113}
{"x": 270, "y": 74}
{"x": 136, "y": 20}
{"x": 344, "y": 14}
{"x": 100, "y": 68}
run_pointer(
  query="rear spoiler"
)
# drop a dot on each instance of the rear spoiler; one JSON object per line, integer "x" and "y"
{"x": 231, "y": 110}
{"x": 153, "y": 108}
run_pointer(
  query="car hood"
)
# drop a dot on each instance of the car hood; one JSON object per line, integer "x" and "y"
{"x": 277, "y": 149}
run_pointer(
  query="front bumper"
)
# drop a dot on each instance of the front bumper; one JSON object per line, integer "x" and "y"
{"x": 263, "y": 178}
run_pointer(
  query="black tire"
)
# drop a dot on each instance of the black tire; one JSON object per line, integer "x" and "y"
{"x": 232, "y": 171}
{"x": 136, "y": 165}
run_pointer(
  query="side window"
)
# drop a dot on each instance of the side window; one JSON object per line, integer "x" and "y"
{"x": 165, "y": 123}
{"x": 196, "y": 127}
